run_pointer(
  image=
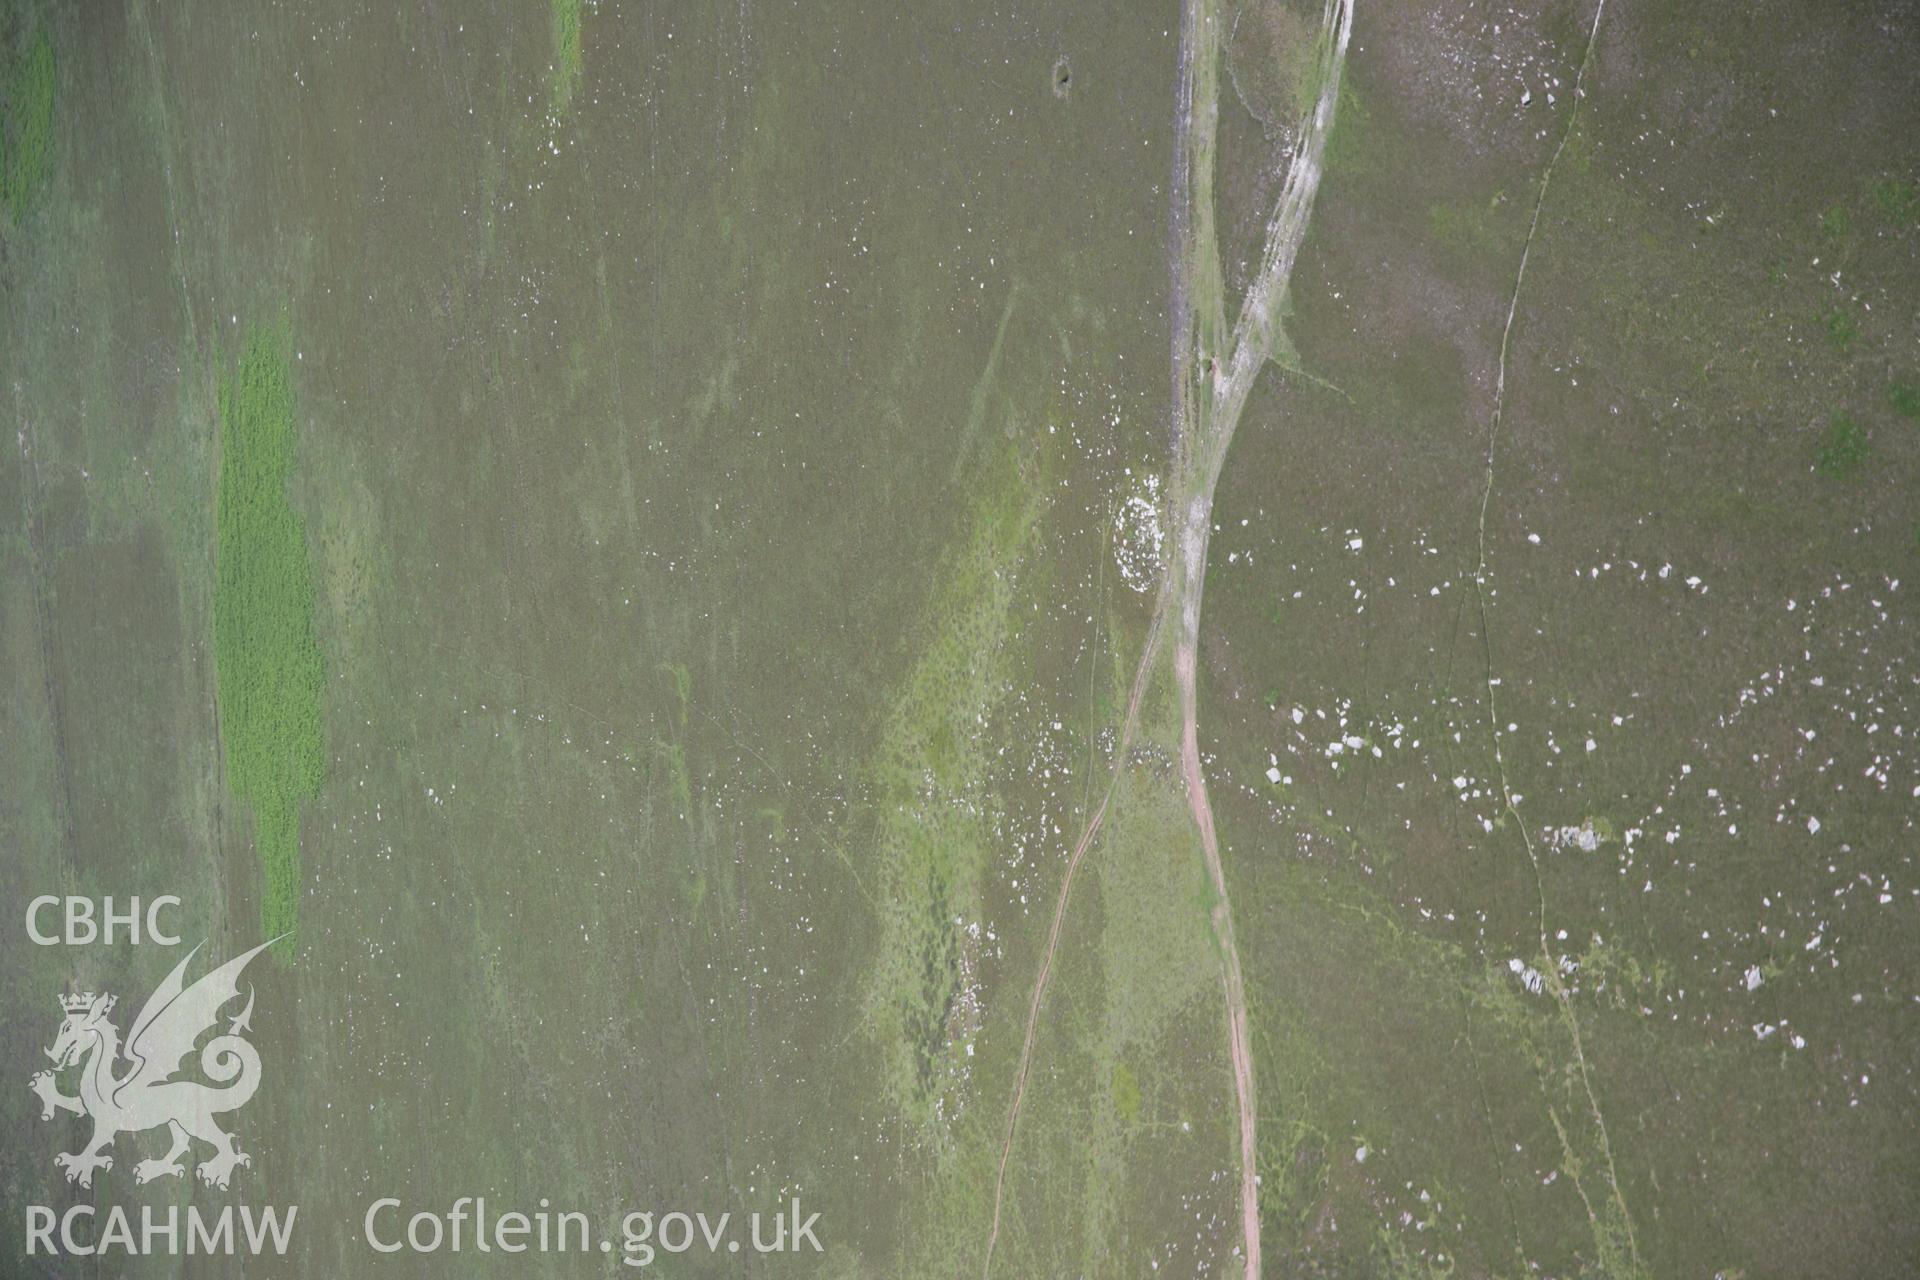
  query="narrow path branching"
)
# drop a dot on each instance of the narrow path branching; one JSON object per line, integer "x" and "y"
{"x": 1213, "y": 373}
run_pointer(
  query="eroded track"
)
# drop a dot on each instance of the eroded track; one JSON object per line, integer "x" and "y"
{"x": 1214, "y": 370}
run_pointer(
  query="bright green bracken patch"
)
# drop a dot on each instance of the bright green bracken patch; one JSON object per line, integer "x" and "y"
{"x": 1842, "y": 449}
{"x": 26, "y": 154}
{"x": 267, "y": 659}
{"x": 566, "y": 54}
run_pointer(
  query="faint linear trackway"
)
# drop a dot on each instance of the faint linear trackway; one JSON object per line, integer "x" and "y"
{"x": 1121, "y": 747}
{"x": 1549, "y": 971}
{"x": 1213, "y": 374}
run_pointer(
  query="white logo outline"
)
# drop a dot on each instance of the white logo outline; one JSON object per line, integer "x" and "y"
{"x": 148, "y": 1095}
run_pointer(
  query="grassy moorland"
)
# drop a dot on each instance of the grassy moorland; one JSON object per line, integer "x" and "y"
{"x": 666, "y": 601}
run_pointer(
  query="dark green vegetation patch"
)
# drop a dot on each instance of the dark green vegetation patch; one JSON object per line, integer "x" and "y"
{"x": 1842, "y": 449}
{"x": 566, "y": 54}
{"x": 269, "y": 663}
{"x": 26, "y": 142}
{"x": 1895, "y": 198}
{"x": 1842, "y": 326}
{"x": 1904, "y": 396}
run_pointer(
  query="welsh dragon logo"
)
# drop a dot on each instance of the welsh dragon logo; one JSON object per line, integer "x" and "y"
{"x": 148, "y": 1094}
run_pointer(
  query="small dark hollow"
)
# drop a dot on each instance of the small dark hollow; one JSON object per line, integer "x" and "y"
{"x": 1062, "y": 78}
